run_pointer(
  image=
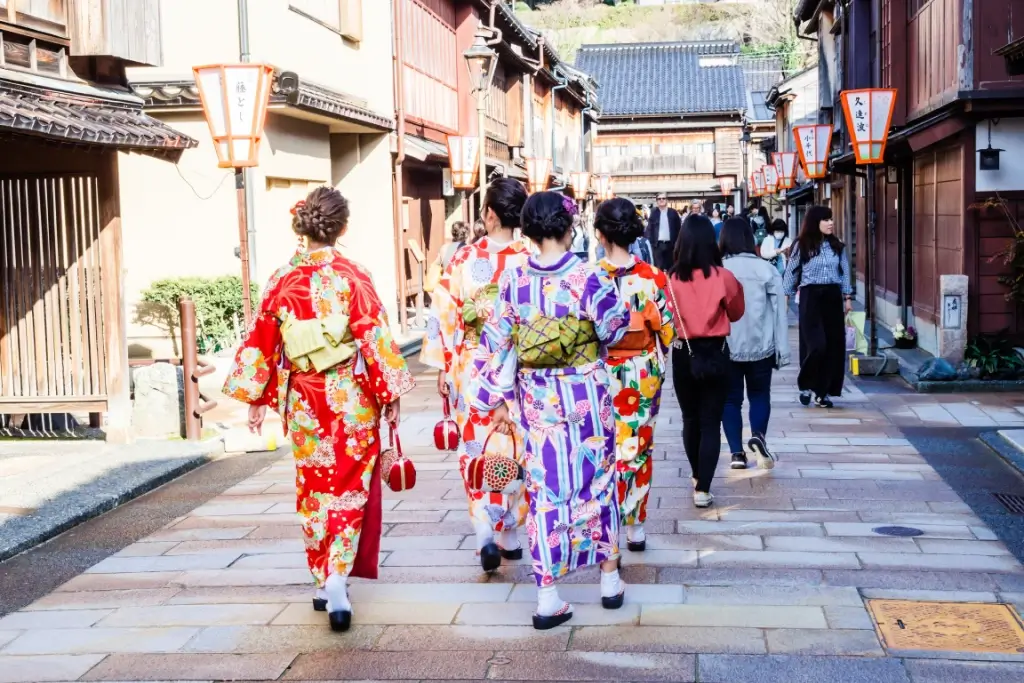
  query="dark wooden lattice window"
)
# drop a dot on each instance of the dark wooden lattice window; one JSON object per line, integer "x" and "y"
{"x": 886, "y": 19}
{"x": 915, "y": 6}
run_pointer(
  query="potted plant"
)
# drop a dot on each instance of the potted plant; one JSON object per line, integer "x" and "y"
{"x": 906, "y": 337}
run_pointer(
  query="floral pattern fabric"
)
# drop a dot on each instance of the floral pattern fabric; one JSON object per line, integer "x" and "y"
{"x": 636, "y": 384}
{"x": 451, "y": 344}
{"x": 565, "y": 413}
{"x": 332, "y": 417}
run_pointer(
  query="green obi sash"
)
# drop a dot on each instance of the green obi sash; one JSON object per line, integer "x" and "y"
{"x": 545, "y": 342}
{"x": 318, "y": 343}
{"x": 477, "y": 308}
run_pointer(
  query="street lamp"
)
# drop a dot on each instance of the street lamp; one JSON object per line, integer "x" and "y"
{"x": 538, "y": 173}
{"x": 813, "y": 144}
{"x": 745, "y": 141}
{"x": 868, "y": 117}
{"x": 727, "y": 185}
{"x": 482, "y": 62}
{"x": 464, "y": 160}
{"x": 235, "y": 99}
{"x": 785, "y": 165}
{"x": 603, "y": 190}
{"x": 580, "y": 181}
{"x": 758, "y": 183}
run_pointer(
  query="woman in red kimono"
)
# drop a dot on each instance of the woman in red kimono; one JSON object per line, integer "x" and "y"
{"x": 320, "y": 351}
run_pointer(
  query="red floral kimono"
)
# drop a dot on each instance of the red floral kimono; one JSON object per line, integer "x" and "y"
{"x": 332, "y": 416}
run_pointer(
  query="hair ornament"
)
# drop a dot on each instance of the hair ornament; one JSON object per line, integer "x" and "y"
{"x": 569, "y": 205}
{"x": 298, "y": 205}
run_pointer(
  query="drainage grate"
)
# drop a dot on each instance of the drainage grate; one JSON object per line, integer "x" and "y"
{"x": 947, "y": 627}
{"x": 1014, "y": 504}
{"x": 902, "y": 531}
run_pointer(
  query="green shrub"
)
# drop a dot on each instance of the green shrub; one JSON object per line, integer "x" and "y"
{"x": 218, "y": 303}
{"x": 994, "y": 356}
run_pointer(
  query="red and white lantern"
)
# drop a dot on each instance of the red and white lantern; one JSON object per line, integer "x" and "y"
{"x": 464, "y": 159}
{"x": 538, "y": 173}
{"x": 813, "y": 144}
{"x": 727, "y": 184}
{"x": 785, "y": 164}
{"x": 868, "y": 117}
{"x": 771, "y": 178}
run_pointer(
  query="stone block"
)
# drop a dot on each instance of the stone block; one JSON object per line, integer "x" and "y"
{"x": 952, "y": 329}
{"x": 46, "y": 668}
{"x": 741, "y": 616}
{"x": 668, "y": 639}
{"x": 861, "y": 643}
{"x": 158, "y": 409}
{"x": 220, "y": 667}
{"x": 799, "y": 669}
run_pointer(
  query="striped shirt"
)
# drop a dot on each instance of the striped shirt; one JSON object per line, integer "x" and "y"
{"x": 827, "y": 268}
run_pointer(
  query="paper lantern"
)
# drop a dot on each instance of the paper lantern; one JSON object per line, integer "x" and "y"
{"x": 868, "y": 117}
{"x": 785, "y": 164}
{"x": 464, "y": 159}
{"x": 813, "y": 144}
{"x": 538, "y": 173}
{"x": 771, "y": 178}
{"x": 235, "y": 99}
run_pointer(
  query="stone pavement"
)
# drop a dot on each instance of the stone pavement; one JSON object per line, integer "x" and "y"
{"x": 768, "y": 585}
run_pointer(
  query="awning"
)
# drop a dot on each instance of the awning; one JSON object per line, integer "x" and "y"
{"x": 642, "y": 187}
{"x": 91, "y": 117}
{"x": 801, "y": 194}
{"x": 428, "y": 151}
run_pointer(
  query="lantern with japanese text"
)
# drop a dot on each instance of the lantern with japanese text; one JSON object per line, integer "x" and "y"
{"x": 771, "y": 178}
{"x": 580, "y": 181}
{"x": 235, "y": 99}
{"x": 727, "y": 184}
{"x": 813, "y": 144}
{"x": 758, "y": 183}
{"x": 868, "y": 117}
{"x": 785, "y": 164}
{"x": 604, "y": 188}
{"x": 538, "y": 172}
{"x": 464, "y": 158}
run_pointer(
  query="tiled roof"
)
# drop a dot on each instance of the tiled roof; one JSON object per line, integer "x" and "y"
{"x": 650, "y": 79}
{"x": 761, "y": 73}
{"x": 71, "y": 118}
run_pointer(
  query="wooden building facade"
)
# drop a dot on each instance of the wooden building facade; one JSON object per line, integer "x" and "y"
{"x": 952, "y": 63}
{"x": 536, "y": 107}
{"x": 64, "y": 117}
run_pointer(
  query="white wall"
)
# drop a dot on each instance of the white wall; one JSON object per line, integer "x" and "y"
{"x": 1008, "y": 135}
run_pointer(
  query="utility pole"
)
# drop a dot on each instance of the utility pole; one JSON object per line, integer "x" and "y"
{"x": 246, "y": 179}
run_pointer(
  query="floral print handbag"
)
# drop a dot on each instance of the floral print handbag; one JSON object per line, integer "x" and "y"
{"x": 397, "y": 471}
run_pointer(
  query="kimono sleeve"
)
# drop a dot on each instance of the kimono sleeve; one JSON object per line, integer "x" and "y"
{"x": 667, "y": 334}
{"x": 442, "y": 320}
{"x": 602, "y": 305}
{"x": 254, "y": 376}
{"x": 389, "y": 376}
{"x": 496, "y": 364}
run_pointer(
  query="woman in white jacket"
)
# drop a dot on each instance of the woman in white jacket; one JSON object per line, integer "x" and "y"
{"x": 776, "y": 246}
{"x": 758, "y": 343}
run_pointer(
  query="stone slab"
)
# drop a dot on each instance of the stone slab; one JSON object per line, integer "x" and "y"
{"x": 192, "y": 615}
{"x": 485, "y": 638}
{"x": 100, "y": 641}
{"x": 799, "y": 669}
{"x": 750, "y": 616}
{"x": 770, "y": 559}
{"x": 167, "y": 667}
{"x": 266, "y": 639}
{"x": 521, "y": 613}
{"x": 389, "y": 666}
{"x": 46, "y": 669}
{"x": 668, "y": 639}
{"x": 24, "y": 621}
{"x": 860, "y": 643}
{"x": 594, "y": 666}
{"x": 773, "y": 595}
{"x": 924, "y": 671}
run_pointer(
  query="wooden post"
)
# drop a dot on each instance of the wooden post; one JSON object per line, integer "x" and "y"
{"x": 115, "y": 327}
{"x": 192, "y": 369}
{"x": 243, "y": 247}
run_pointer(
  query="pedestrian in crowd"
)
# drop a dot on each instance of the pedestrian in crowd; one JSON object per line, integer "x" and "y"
{"x": 758, "y": 343}
{"x": 759, "y": 223}
{"x": 776, "y": 247}
{"x": 706, "y": 298}
{"x": 697, "y": 207}
{"x": 461, "y": 305}
{"x": 819, "y": 269}
{"x": 637, "y": 363}
{"x": 580, "y": 239}
{"x": 543, "y": 350}
{"x": 479, "y": 230}
{"x": 460, "y": 234}
{"x": 640, "y": 248}
{"x": 716, "y": 220}
{"x": 318, "y": 293}
{"x": 662, "y": 231}
{"x": 730, "y": 211}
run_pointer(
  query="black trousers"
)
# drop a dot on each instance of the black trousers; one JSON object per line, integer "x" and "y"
{"x": 663, "y": 254}
{"x": 822, "y": 340}
{"x": 702, "y": 402}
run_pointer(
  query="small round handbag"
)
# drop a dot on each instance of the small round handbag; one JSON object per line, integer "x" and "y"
{"x": 446, "y": 432}
{"x": 495, "y": 473}
{"x": 397, "y": 471}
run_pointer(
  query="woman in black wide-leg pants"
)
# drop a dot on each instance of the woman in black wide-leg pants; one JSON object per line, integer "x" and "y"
{"x": 822, "y": 340}
{"x": 819, "y": 269}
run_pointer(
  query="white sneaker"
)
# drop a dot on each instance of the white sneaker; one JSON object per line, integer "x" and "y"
{"x": 694, "y": 480}
{"x": 701, "y": 499}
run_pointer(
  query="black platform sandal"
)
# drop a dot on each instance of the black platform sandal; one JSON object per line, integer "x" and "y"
{"x": 563, "y": 615}
{"x": 319, "y": 604}
{"x": 614, "y": 602}
{"x": 636, "y": 547}
{"x": 516, "y": 554}
{"x": 490, "y": 557}
{"x": 340, "y": 620}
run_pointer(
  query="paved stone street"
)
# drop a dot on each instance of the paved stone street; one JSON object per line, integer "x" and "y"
{"x": 768, "y": 585}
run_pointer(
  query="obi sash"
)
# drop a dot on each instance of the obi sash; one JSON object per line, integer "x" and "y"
{"x": 545, "y": 342}
{"x": 477, "y": 309}
{"x": 319, "y": 343}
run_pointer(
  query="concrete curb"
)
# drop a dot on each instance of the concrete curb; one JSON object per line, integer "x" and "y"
{"x": 22, "y": 533}
{"x": 1007, "y": 446}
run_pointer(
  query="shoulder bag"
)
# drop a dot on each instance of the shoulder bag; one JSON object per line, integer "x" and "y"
{"x": 708, "y": 360}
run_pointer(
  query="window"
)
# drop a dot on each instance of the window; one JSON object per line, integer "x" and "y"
{"x": 915, "y": 6}
{"x": 46, "y": 16}
{"x": 22, "y": 52}
{"x": 343, "y": 16}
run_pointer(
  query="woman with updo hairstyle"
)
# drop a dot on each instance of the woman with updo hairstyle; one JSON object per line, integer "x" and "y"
{"x": 460, "y": 304}
{"x": 320, "y": 352}
{"x": 542, "y": 355}
{"x": 637, "y": 363}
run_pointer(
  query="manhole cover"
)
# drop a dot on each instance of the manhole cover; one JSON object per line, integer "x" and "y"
{"x": 948, "y": 626}
{"x": 898, "y": 531}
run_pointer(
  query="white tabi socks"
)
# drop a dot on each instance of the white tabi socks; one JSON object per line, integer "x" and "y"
{"x": 509, "y": 539}
{"x": 635, "y": 533}
{"x": 336, "y": 592}
{"x": 548, "y": 601}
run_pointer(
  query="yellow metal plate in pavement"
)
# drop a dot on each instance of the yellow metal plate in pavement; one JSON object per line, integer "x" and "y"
{"x": 948, "y": 626}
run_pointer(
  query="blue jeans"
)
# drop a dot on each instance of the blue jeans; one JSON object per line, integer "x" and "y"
{"x": 757, "y": 375}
